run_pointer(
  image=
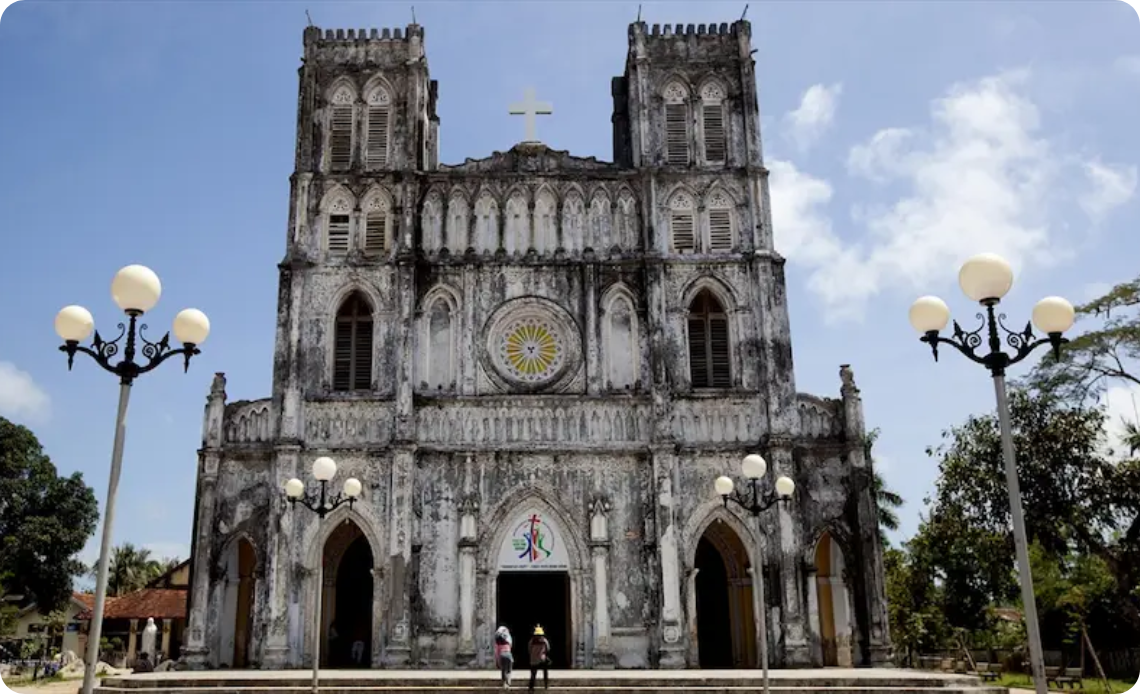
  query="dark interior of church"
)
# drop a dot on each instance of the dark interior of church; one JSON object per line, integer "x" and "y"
{"x": 352, "y": 645}
{"x": 529, "y": 598}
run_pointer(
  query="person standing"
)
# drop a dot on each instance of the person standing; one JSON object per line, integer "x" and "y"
{"x": 539, "y": 651}
{"x": 504, "y": 659}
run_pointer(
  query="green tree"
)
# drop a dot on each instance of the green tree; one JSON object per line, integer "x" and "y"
{"x": 914, "y": 605}
{"x": 887, "y": 501}
{"x": 1074, "y": 501}
{"x": 45, "y": 519}
{"x": 1107, "y": 352}
{"x": 131, "y": 569}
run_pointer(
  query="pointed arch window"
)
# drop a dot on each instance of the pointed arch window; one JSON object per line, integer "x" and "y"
{"x": 352, "y": 351}
{"x": 378, "y": 128}
{"x": 340, "y": 129}
{"x": 377, "y": 225}
{"x": 338, "y": 230}
{"x": 682, "y": 223}
{"x": 712, "y": 123}
{"x": 676, "y": 125}
{"x": 709, "y": 365}
{"x": 719, "y": 207}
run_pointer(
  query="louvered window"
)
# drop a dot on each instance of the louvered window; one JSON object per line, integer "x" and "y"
{"x": 340, "y": 142}
{"x": 338, "y": 233}
{"x": 708, "y": 343}
{"x": 352, "y": 358}
{"x": 684, "y": 238}
{"x": 720, "y": 230}
{"x": 714, "y": 133}
{"x": 676, "y": 135}
{"x": 376, "y": 233}
{"x": 377, "y": 137}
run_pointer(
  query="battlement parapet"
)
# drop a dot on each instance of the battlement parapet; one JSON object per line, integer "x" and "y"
{"x": 317, "y": 36}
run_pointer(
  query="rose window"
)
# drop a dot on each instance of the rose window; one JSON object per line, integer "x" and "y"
{"x": 531, "y": 349}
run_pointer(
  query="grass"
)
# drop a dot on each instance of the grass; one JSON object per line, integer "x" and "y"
{"x": 1089, "y": 685}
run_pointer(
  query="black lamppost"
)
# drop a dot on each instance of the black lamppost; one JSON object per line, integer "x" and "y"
{"x": 987, "y": 278}
{"x": 136, "y": 289}
{"x": 324, "y": 469}
{"x": 755, "y": 501}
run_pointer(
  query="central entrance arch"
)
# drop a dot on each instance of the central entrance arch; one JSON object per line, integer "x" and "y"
{"x": 726, "y": 628}
{"x": 346, "y": 599}
{"x": 535, "y": 576}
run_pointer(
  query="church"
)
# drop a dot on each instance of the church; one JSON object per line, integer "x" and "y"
{"x": 537, "y": 365}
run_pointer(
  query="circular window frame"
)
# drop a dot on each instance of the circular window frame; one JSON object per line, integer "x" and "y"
{"x": 538, "y": 309}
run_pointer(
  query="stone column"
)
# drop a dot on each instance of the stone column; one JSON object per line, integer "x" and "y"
{"x": 795, "y": 652}
{"x": 468, "y": 544}
{"x": 131, "y": 640}
{"x": 814, "y": 654}
{"x": 196, "y": 651}
{"x": 595, "y": 380}
{"x": 398, "y": 652}
{"x": 600, "y": 548}
{"x": 376, "y": 658}
{"x": 668, "y": 541}
{"x": 276, "y": 561}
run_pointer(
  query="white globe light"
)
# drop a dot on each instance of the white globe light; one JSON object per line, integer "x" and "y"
{"x": 136, "y": 288}
{"x": 74, "y": 323}
{"x": 929, "y": 313}
{"x": 785, "y": 486}
{"x": 294, "y": 488}
{"x": 191, "y": 326}
{"x": 352, "y": 487}
{"x": 754, "y": 466}
{"x": 1053, "y": 314}
{"x": 324, "y": 469}
{"x": 985, "y": 276}
{"x": 723, "y": 485}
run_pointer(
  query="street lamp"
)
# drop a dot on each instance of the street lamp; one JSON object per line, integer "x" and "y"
{"x": 755, "y": 502}
{"x": 986, "y": 278}
{"x": 136, "y": 289}
{"x": 324, "y": 469}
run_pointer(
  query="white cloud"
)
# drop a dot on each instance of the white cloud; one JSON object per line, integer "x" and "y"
{"x": 1112, "y": 186}
{"x": 978, "y": 178}
{"x": 20, "y": 397}
{"x": 1129, "y": 64}
{"x": 816, "y": 113}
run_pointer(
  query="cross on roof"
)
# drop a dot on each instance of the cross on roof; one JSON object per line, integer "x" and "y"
{"x": 529, "y": 108}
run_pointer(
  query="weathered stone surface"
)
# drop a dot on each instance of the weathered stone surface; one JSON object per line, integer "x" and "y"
{"x": 593, "y": 421}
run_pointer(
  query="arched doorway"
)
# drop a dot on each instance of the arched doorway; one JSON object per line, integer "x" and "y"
{"x": 833, "y": 610}
{"x": 346, "y": 599}
{"x": 726, "y": 628}
{"x": 237, "y": 605}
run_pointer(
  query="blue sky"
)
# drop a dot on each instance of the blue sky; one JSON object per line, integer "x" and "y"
{"x": 902, "y": 138}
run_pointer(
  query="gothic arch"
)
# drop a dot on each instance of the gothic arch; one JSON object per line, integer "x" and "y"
{"x": 350, "y": 289}
{"x": 720, "y": 187}
{"x": 670, "y": 83}
{"x": 434, "y": 226}
{"x": 376, "y": 191}
{"x": 616, "y": 290}
{"x": 337, "y": 91}
{"x": 620, "y": 370}
{"x": 233, "y": 539}
{"x": 487, "y": 237}
{"x": 719, "y": 288}
{"x": 678, "y": 190}
{"x": 575, "y": 218}
{"x": 457, "y": 239}
{"x": 237, "y": 636}
{"x": 708, "y": 512}
{"x": 314, "y": 539}
{"x": 707, "y": 89}
{"x": 378, "y": 83}
{"x": 836, "y": 531}
{"x": 545, "y": 499}
{"x": 335, "y": 194}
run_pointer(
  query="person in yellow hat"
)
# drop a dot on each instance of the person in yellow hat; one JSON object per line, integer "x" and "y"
{"x": 539, "y": 651}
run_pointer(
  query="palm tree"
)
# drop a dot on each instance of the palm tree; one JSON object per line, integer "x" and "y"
{"x": 131, "y": 568}
{"x": 1131, "y": 436}
{"x": 887, "y": 501}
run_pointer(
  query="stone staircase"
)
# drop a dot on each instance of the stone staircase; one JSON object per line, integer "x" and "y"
{"x": 825, "y": 681}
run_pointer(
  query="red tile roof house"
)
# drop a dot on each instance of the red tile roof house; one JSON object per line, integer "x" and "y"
{"x": 124, "y": 618}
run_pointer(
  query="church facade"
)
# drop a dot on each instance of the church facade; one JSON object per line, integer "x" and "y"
{"x": 537, "y": 364}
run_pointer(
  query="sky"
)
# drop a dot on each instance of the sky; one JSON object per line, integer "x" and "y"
{"x": 902, "y": 138}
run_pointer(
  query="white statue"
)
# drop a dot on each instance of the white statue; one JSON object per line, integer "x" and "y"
{"x": 148, "y": 637}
